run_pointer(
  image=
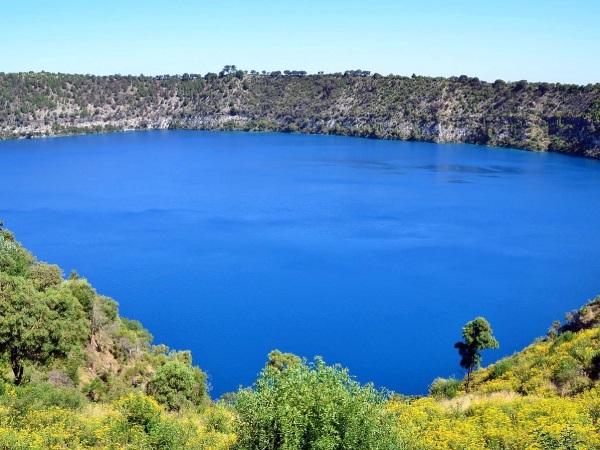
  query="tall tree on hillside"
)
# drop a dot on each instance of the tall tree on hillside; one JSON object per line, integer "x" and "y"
{"x": 477, "y": 336}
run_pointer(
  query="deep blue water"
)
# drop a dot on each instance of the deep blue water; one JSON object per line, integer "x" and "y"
{"x": 373, "y": 254}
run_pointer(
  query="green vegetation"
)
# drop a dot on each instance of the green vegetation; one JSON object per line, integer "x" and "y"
{"x": 564, "y": 363}
{"x": 534, "y": 116}
{"x": 176, "y": 385}
{"x": 477, "y": 336}
{"x": 279, "y": 361}
{"x": 37, "y": 326}
{"x": 76, "y": 375}
{"x": 311, "y": 406}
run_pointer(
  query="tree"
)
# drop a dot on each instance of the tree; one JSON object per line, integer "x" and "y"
{"x": 45, "y": 275}
{"x": 104, "y": 312}
{"x": 477, "y": 336}
{"x": 228, "y": 70}
{"x": 37, "y": 326}
{"x": 14, "y": 259}
{"x": 520, "y": 85}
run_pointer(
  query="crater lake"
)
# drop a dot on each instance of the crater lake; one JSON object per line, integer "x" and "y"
{"x": 373, "y": 254}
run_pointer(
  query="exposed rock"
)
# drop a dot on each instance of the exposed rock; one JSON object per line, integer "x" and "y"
{"x": 533, "y": 116}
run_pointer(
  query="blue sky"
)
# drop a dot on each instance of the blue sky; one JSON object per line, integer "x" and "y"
{"x": 545, "y": 40}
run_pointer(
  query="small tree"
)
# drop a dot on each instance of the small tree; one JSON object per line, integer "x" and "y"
{"x": 477, "y": 336}
{"x": 177, "y": 385}
{"x": 37, "y": 326}
{"x": 45, "y": 275}
{"x": 14, "y": 259}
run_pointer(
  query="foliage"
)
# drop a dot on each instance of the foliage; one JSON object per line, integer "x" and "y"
{"x": 565, "y": 366}
{"x": 445, "y": 388}
{"x": 498, "y": 423}
{"x": 588, "y": 316}
{"x": 139, "y": 410}
{"x": 43, "y": 395}
{"x": 133, "y": 422}
{"x": 45, "y": 275}
{"x": 500, "y": 368}
{"x": 544, "y": 397}
{"x": 14, "y": 259}
{"x": 36, "y": 326}
{"x": 177, "y": 385}
{"x": 311, "y": 406}
{"x": 477, "y": 336}
{"x": 279, "y": 361}
{"x": 534, "y": 116}
{"x": 81, "y": 290}
{"x": 104, "y": 312}
{"x": 130, "y": 339}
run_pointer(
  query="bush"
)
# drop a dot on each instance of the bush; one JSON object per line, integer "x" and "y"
{"x": 444, "y": 388}
{"x": 312, "y": 406}
{"x": 37, "y": 396}
{"x": 138, "y": 409}
{"x": 95, "y": 390}
{"x": 500, "y": 368}
{"x": 568, "y": 376}
{"x": 566, "y": 336}
{"x": 565, "y": 371}
{"x": 177, "y": 385}
{"x": 594, "y": 369}
{"x": 167, "y": 435}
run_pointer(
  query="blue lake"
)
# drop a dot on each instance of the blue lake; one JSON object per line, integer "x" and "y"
{"x": 373, "y": 254}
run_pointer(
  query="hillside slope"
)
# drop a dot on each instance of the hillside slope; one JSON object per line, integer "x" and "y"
{"x": 564, "y": 363}
{"x": 534, "y": 116}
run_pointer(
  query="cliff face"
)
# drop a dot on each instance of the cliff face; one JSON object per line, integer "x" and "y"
{"x": 533, "y": 116}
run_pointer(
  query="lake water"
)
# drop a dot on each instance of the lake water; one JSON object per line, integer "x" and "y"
{"x": 373, "y": 254}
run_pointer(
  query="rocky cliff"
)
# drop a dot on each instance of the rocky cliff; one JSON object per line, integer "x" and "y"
{"x": 533, "y": 116}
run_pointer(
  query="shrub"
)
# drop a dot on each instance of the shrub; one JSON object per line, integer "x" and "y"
{"x": 38, "y": 396}
{"x": 444, "y": 388}
{"x": 500, "y": 368}
{"x": 167, "y": 435}
{"x": 139, "y": 409}
{"x": 568, "y": 376}
{"x": 567, "y": 336}
{"x": 594, "y": 369}
{"x": 95, "y": 389}
{"x": 177, "y": 385}
{"x": 565, "y": 371}
{"x": 312, "y": 406}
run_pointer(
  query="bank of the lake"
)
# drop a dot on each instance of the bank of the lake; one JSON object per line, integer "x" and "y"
{"x": 534, "y": 116}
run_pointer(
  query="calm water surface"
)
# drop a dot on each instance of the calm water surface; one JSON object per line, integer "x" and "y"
{"x": 370, "y": 253}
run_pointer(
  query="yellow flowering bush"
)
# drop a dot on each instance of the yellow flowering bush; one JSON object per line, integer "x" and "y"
{"x": 499, "y": 422}
{"x": 133, "y": 422}
{"x": 559, "y": 366}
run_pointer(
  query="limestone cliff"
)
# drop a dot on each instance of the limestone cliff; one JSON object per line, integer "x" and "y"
{"x": 533, "y": 116}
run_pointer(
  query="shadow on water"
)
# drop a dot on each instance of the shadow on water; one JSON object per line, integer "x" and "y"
{"x": 487, "y": 170}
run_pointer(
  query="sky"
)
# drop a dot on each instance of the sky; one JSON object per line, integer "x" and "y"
{"x": 535, "y": 40}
